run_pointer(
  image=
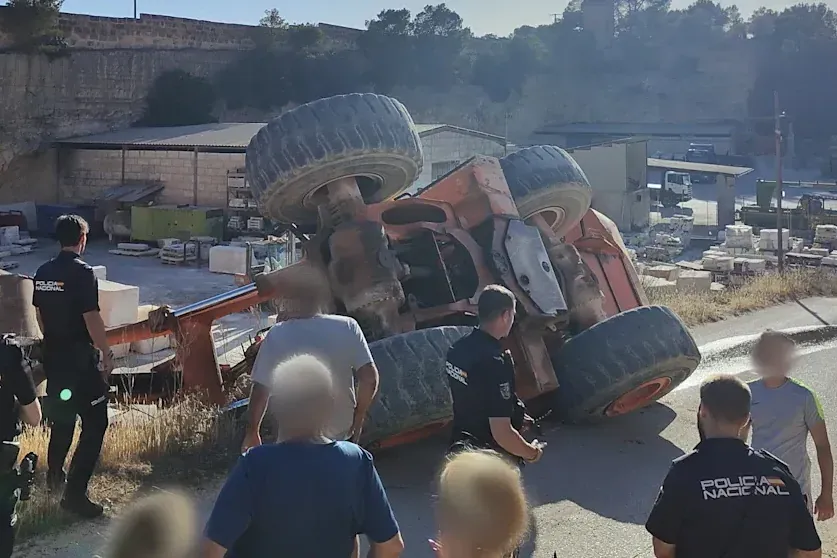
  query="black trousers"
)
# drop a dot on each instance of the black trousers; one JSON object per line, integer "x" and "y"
{"x": 7, "y": 531}
{"x": 94, "y": 424}
{"x": 75, "y": 389}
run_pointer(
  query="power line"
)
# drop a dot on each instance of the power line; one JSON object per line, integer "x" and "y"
{"x": 555, "y": 17}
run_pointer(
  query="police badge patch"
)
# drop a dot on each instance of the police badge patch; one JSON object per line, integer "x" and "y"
{"x": 505, "y": 390}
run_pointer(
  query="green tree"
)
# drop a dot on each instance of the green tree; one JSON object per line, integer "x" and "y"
{"x": 177, "y": 98}
{"x": 388, "y": 47}
{"x": 439, "y": 37}
{"x": 33, "y": 25}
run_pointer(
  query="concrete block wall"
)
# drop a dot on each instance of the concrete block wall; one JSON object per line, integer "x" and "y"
{"x": 86, "y": 173}
{"x": 452, "y": 146}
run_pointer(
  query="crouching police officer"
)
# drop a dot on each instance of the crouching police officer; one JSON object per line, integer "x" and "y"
{"x": 726, "y": 499}
{"x": 486, "y": 411}
{"x": 67, "y": 298}
{"x": 17, "y": 401}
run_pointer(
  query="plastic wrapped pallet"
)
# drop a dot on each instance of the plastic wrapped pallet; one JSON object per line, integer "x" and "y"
{"x": 769, "y": 239}
{"x": 739, "y": 236}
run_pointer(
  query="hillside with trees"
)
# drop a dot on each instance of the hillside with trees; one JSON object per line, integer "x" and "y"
{"x": 702, "y": 62}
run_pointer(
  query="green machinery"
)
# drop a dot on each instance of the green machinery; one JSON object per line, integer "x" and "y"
{"x": 154, "y": 222}
{"x": 809, "y": 212}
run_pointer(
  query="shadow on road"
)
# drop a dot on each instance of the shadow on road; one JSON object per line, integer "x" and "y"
{"x": 613, "y": 470}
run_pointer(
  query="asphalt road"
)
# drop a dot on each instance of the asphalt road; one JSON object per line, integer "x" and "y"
{"x": 593, "y": 488}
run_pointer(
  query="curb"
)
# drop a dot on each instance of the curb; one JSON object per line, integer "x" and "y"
{"x": 807, "y": 335}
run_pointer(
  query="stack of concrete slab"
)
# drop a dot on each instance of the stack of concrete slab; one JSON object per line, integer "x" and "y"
{"x": 825, "y": 234}
{"x": 690, "y": 280}
{"x": 119, "y": 305}
{"x": 9, "y": 235}
{"x": 179, "y": 253}
{"x": 739, "y": 237}
{"x": 667, "y": 272}
{"x": 769, "y": 240}
{"x": 718, "y": 263}
{"x": 658, "y": 284}
{"x": 816, "y": 251}
{"x": 830, "y": 260}
{"x": 749, "y": 265}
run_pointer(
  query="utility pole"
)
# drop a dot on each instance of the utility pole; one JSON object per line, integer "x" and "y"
{"x": 135, "y": 9}
{"x": 780, "y": 194}
{"x": 554, "y": 18}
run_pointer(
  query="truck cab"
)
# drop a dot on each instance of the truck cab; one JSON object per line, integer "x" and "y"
{"x": 675, "y": 188}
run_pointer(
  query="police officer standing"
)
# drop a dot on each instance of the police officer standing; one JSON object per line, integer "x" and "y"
{"x": 486, "y": 410}
{"x": 67, "y": 298}
{"x": 17, "y": 401}
{"x": 726, "y": 499}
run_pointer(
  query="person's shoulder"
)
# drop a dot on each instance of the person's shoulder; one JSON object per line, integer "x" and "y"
{"x": 770, "y": 460}
{"x": 352, "y": 450}
{"x": 801, "y": 388}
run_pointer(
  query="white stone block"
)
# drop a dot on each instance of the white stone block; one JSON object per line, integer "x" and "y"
{"x": 228, "y": 259}
{"x": 658, "y": 284}
{"x": 120, "y": 350}
{"x": 829, "y": 261}
{"x": 694, "y": 280}
{"x": 739, "y": 236}
{"x": 9, "y": 235}
{"x": 667, "y": 272}
{"x": 149, "y": 346}
{"x": 718, "y": 263}
{"x": 101, "y": 272}
{"x": 119, "y": 303}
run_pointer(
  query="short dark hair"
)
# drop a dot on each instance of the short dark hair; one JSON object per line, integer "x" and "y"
{"x": 769, "y": 339}
{"x": 69, "y": 229}
{"x": 493, "y": 301}
{"x": 726, "y": 398}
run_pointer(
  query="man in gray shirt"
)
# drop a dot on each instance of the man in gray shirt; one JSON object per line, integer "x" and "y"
{"x": 340, "y": 344}
{"x": 784, "y": 411}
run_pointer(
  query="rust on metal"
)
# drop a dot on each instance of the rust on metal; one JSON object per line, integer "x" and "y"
{"x": 638, "y": 397}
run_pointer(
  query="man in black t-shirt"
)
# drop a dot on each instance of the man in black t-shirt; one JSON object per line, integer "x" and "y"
{"x": 725, "y": 499}
{"x": 17, "y": 401}
{"x": 486, "y": 410}
{"x": 67, "y": 298}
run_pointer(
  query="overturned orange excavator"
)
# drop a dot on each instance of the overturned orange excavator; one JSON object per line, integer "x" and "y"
{"x": 410, "y": 269}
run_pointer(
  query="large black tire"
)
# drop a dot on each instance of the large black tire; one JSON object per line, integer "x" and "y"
{"x": 414, "y": 389}
{"x": 545, "y": 179}
{"x": 618, "y": 355}
{"x": 368, "y": 136}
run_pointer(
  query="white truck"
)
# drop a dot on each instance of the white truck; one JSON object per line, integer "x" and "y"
{"x": 676, "y": 188}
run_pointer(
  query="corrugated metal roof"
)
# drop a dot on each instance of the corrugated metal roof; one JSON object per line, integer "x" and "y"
{"x": 225, "y": 135}
{"x": 229, "y": 135}
{"x": 698, "y": 167}
{"x": 639, "y": 128}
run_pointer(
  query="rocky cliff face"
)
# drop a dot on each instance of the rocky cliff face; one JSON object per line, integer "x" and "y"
{"x": 102, "y": 84}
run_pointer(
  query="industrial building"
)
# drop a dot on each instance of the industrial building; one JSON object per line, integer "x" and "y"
{"x": 193, "y": 162}
{"x": 662, "y": 138}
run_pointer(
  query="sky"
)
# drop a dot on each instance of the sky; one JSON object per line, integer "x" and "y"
{"x": 501, "y": 18}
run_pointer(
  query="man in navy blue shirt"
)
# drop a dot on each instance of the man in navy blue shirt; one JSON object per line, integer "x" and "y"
{"x": 306, "y": 496}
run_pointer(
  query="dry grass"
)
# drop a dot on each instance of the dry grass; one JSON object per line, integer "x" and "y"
{"x": 187, "y": 443}
{"x": 697, "y": 308}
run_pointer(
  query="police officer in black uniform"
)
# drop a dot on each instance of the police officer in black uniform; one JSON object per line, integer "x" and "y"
{"x": 486, "y": 411}
{"x": 67, "y": 298}
{"x": 17, "y": 401}
{"x": 725, "y": 499}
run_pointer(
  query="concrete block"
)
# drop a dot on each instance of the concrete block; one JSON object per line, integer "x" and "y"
{"x": 101, "y": 272}
{"x": 694, "y": 280}
{"x": 718, "y": 263}
{"x": 739, "y": 236}
{"x": 667, "y": 272}
{"x": 149, "y": 346}
{"x": 120, "y": 350}
{"x": 717, "y": 287}
{"x": 119, "y": 303}
{"x": 829, "y": 261}
{"x": 658, "y": 284}
{"x": 228, "y": 259}
{"x": 9, "y": 235}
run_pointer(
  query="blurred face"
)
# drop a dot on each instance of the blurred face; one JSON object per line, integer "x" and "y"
{"x": 776, "y": 359}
